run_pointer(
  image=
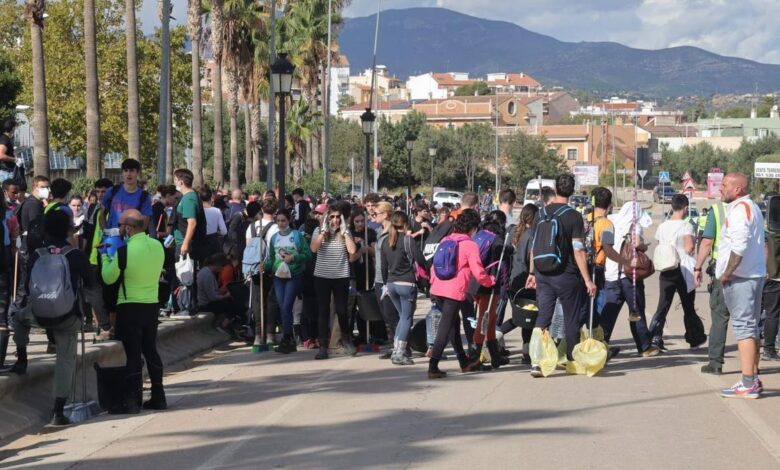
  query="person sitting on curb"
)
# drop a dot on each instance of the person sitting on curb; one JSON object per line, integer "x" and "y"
{"x": 136, "y": 267}
{"x": 211, "y": 299}
{"x": 57, "y": 229}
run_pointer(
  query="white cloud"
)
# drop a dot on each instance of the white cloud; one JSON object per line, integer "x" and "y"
{"x": 737, "y": 28}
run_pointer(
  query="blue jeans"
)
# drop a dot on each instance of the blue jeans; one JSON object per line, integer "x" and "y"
{"x": 286, "y": 291}
{"x": 609, "y": 303}
{"x": 403, "y": 298}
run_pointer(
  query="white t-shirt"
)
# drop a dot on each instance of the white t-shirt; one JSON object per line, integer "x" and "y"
{"x": 674, "y": 231}
{"x": 259, "y": 226}
{"x": 214, "y": 221}
{"x": 612, "y": 269}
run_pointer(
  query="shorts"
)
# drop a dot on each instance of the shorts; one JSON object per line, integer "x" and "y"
{"x": 743, "y": 299}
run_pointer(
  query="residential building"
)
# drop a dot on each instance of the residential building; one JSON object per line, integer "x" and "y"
{"x": 558, "y": 105}
{"x": 513, "y": 112}
{"x": 393, "y": 111}
{"x": 388, "y": 87}
{"x": 643, "y": 112}
{"x": 502, "y": 82}
{"x": 740, "y": 127}
{"x": 436, "y": 86}
{"x": 339, "y": 82}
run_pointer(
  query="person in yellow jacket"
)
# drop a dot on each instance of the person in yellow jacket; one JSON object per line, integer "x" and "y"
{"x": 137, "y": 267}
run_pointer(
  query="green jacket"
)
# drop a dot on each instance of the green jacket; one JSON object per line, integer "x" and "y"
{"x": 145, "y": 257}
{"x": 300, "y": 258}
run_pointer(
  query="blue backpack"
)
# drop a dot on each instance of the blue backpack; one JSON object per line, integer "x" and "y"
{"x": 484, "y": 240}
{"x": 546, "y": 244}
{"x": 256, "y": 251}
{"x": 445, "y": 260}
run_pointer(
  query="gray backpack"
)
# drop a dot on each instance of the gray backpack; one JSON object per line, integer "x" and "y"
{"x": 52, "y": 294}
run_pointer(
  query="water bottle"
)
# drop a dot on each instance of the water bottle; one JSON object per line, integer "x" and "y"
{"x": 168, "y": 241}
{"x": 432, "y": 320}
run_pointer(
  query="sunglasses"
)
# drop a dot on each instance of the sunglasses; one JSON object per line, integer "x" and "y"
{"x": 334, "y": 217}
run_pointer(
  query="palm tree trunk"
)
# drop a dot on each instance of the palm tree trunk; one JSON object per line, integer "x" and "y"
{"x": 193, "y": 19}
{"x": 248, "y": 154}
{"x": 133, "y": 112}
{"x": 92, "y": 98}
{"x": 219, "y": 152}
{"x": 217, "y": 32}
{"x": 35, "y": 12}
{"x": 169, "y": 141}
{"x": 254, "y": 116}
{"x": 309, "y": 152}
{"x": 232, "y": 78}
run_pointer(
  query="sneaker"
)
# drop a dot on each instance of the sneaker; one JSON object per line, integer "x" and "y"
{"x": 536, "y": 371}
{"x": 387, "y": 354}
{"x": 769, "y": 355}
{"x": 612, "y": 353}
{"x": 710, "y": 369}
{"x": 659, "y": 343}
{"x": 740, "y": 391}
{"x": 349, "y": 348}
{"x": 286, "y": 347}
{"x": 650, "y": 352}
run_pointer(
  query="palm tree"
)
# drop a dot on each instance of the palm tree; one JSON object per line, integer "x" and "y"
{"x": 92, "y": 99}
{"x": 194, "y": 11}
{"x": 133, "y": 110}
{"x": 233, "y": 86}
{"x": 34, "y": 10}
{"x": 301, "y": 123}
{"x": 248, "y": 153}
{"x": 217, "y": 42}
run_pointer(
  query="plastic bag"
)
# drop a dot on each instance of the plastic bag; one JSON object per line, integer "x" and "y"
{"x": 557, "y": 327}
{"x": 283, "y": 271}
{"x": 185, "y": 270}
{"x": 590, "y": 354}
{"x": 543, "y": 351}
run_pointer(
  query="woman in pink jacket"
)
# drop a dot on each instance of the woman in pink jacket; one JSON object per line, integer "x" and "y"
{"x": 451, "y": 293}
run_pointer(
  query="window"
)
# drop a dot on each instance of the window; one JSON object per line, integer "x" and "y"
{"x": 571, "y": 154}
{"x": 512, "y": 108}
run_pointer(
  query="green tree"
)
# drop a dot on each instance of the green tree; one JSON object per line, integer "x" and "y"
{"x": 346, "y": 101}
{"x": 765, "y": 108}
{"x": 10, "y": 87}
{"x": 348, "y": 142}
{"x": 302, "y": 121}
{"x": 475, "y": 146}
{"x": 479, "y": 88}
{"x": 392, "y": 147}
{"x": 738, "y": 112}
{"x": 529, "y": 157}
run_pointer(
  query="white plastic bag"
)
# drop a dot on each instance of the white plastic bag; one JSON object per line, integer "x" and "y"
{"x": 283, "y": 272}
{"x": 185, "y": 270}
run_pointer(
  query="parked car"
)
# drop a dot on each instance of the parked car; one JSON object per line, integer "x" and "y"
{"x": 441, "y": 197}
{"x": 663, "y": 194}
{"x": 649, "y": 182}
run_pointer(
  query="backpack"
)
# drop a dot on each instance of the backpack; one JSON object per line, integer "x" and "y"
{"x": 235, "y": 240}
{"x": 199, "y": 237}
{"x": 33, "y": 233}
{"x": 256, "y": 251}
{"x": 52, "y": 295}
{"x": 445, "y": 260}
{"x": 484, "y": 240}
{"x": 546, "y": 244}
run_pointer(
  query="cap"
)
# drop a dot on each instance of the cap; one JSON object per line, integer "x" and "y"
{"x": 321, "y": 208}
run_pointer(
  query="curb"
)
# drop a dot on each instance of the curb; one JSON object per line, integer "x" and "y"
{"x": 26, "y": 401}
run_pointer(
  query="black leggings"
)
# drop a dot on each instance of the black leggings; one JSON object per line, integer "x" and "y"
{"x": 449, "y": 329}
{"x": 671, "y": 282}
{"x": 137, "y": 329}
{"x": 339, "y": 288}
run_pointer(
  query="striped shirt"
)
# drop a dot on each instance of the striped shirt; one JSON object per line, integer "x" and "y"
{"x": 332, "y": 258}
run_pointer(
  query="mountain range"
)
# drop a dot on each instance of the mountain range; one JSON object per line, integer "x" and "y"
{"x": 419, "y": 40}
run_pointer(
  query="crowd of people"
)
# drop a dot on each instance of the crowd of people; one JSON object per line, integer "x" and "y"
{"x": 304, "y": 271}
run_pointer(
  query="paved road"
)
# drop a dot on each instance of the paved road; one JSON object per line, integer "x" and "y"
{"x": 235, "y": 409}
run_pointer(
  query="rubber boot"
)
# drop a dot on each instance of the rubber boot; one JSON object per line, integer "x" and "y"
{"x": 323, "y": 354}
{"x": 59, "y": 418}
{"x": 20, "y": 367}
{"x": 157, "y": 401}
{"x": 496, "y": 359}
{"x": 5, "y": 337}
{"x": 399, "y": 357}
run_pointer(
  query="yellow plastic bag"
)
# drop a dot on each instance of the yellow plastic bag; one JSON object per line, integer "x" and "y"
{"x": 543, "y": 351}
{"x": 562, "y": 352}
{"x": 590, "y": 354}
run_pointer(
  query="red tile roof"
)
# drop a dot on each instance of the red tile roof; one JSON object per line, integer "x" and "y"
{"x": 516, "y": 79}
{"x": 445, "y": 79}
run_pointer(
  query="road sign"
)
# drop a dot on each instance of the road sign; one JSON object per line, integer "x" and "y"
{"x": 767, "y": 170}
{"x": 663, "y": 177}
{"x": 713, "y": 183}
{"x": 642, "y": 173}
{"x": 586, "y": 175}
{"x": 621, "y": 171}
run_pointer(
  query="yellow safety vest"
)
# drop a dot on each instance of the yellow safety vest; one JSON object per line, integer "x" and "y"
{"x": 717, "y": 211}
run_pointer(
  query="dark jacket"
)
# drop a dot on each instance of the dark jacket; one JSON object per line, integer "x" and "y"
{"x": 397, "y": 264}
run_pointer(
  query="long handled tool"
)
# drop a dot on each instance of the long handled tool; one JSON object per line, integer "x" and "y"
{"x": 260, "y": 344}
{"x": 85, "y": 410}
{"x": 633, "y": 314}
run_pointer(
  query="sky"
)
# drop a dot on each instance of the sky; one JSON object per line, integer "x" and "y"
{"x": 740, "y": 28}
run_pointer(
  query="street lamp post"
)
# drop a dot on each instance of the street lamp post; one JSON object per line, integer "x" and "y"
{"x": 281, "y": 77}
{"x": 410, "y": 138}
{"x": 432, "y": 152}
{"x": 368, "y": 120}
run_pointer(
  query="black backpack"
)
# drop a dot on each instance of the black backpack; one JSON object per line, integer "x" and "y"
{"x": 199, "y": 238}
{"x": 546, "y": 244}
{"x": 33, "y": 233}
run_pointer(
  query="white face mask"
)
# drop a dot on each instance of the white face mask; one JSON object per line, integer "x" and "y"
{"x": 43, "y": 193}
{"x": 178, "y": 188}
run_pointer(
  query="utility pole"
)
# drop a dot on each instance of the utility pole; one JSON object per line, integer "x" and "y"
{"x": 165, "y": 67}
{"x": 271, "y": 165}
{"x": 326, "y": 157}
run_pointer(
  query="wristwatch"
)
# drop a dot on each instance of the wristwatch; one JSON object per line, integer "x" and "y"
{"x": 696, "y": 270}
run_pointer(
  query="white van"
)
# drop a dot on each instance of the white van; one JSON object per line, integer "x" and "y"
{"x": 533, "y": 190}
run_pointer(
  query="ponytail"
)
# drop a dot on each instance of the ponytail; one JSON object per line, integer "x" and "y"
{"x": 399, "y": 222}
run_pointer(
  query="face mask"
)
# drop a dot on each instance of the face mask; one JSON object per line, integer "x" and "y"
{"x": 43, "y": 193}
{"x": 178, "y": 188}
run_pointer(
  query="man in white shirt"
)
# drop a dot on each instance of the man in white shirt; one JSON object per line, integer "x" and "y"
{"x": 741, "y": 270}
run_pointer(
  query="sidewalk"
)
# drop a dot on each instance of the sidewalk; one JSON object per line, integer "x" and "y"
{"x": 26, "y": 401}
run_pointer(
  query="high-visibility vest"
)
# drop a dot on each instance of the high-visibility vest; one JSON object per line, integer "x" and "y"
{"x": 717, "y": 211}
